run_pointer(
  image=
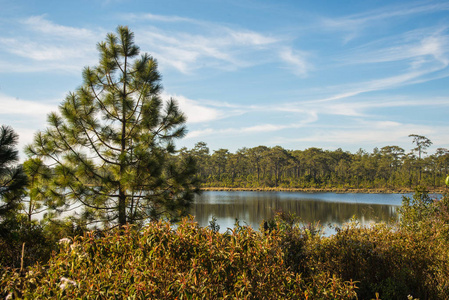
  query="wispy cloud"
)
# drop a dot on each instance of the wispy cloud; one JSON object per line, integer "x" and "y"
{"x": 242, "y": 131}
{"x": 40, "y": 51}
{"x": 210, "y": 29}
{"x": 296, "y": 61}
{"x": 210, "y": 44}
{"x": 159, "y": 18}
{"x": 357, "y": 22}
{"x": 419, "y": 55}
{"x": 362, "y": 107}
{"x": 306, "y": 118}
{"x": 215, "y": 47}
{"x": 41, "y": 25}
{"x": 420, "y": 46}
{"x": 47, "y": 46}
{"x": 50, "y": 46}
{"x": 347, "y": 91}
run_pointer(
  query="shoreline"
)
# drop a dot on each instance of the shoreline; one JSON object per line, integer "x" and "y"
{"x": 322, "y": 190}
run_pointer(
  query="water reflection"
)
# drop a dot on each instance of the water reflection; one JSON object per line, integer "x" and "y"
{"x": 328, "y": 208}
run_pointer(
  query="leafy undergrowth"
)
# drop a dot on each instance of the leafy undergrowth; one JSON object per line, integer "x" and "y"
{"x": 393, "y": 263}
{"x": 160, "y": 262}
{"x": 283, "y": 261}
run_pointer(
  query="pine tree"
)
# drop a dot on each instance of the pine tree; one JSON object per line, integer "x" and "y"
{"x": 12, "y": 178}
{"x": 111, "y": 146}
{"x": 422, "y": 143}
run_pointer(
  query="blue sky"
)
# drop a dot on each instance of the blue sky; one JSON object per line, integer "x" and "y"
{"x": 299, "y": 74}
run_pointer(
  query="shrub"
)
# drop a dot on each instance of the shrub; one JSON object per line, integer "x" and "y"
{"x": 390, "y": 261}
{"x": 160, "y": 262}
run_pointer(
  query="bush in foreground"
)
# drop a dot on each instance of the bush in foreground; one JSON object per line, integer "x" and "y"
{"x": 383, "y": 260}
{"x": 411, "y": 258}
{"x": 160, "y": 262}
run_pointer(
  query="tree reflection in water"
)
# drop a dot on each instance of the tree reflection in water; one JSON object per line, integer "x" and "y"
{"x": 252, "y": 208}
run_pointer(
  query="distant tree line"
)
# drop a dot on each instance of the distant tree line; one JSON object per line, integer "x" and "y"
{"x": 389, "y": 167}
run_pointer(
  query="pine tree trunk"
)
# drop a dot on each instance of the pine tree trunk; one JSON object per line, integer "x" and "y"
{"x": 122, "y": 208}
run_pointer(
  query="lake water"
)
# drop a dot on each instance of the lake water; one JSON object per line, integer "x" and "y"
{"x": 252, "y": 208}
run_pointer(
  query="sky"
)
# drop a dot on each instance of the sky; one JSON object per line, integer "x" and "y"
{"x": 298, "y": 74}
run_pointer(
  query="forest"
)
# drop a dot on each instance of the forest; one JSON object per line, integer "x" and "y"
{"x": 388, "y": 168}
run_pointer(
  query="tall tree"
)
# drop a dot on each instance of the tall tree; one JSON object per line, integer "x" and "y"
{"x": 422, "y": 143}
{"x": 391, "y": 156}
{"x": 111, "y": 145}
{"x": 219, "y": 159}
{"x": 12, "y": 178}
{"x": 316, "y": 162}
{"x": 256, "y": 157}
{"x": 201, "y": 153}
{"x": 278, "y": 159}
{"x": 442, "y": 155}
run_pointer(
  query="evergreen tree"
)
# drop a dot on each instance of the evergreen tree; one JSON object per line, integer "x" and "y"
{"x": 12, "y": 178}
{"x": 111, "y": 146}
{"x": 422, "y": 143}
{"x": 278, "y": 159}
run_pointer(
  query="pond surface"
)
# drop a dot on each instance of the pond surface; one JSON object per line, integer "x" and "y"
{"x": 251, "y": 208}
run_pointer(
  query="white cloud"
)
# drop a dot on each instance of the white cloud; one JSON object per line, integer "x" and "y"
{"x": 424, "y": 45}
{"x": 241, "y": 131}
{"x": 158, "y": 18}
{"x": 250, "y": 38}
{"x": 362, "y": 106}
{"x": 12, "y": 106}
{"x": 210, "y": 32}
{"x": 206, "y": 44}
{"x": 33, "y": 67}
{"x": 41, "y": 25}
{"x": 184, "y": 52}
{"x": 264, "y": 128}
{"x": 357, "y": 22}
{"x": 195, "y": 112}
{"x": 422, "y": 55}
{"x": 47, "y": 46}
{"x": 215, "y": 47}
{"x": 41, "y": 51}
{"x": 25, "y": 117}
{"x": 407, "y": 78}
{"x": 199, "y": 133}
{"x": 359, "y": 107}
{"x": 308, "y": 117}
{"x": 296, "y": 60}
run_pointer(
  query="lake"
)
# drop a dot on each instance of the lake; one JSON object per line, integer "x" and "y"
{"x": 252, "y": 208}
